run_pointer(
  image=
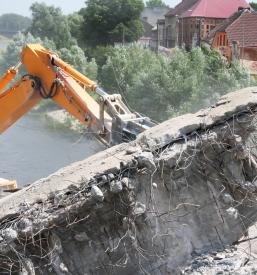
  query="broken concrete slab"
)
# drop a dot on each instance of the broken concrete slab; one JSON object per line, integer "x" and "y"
{"x": 188, "y": 188}
{"x": 232, "y": 104}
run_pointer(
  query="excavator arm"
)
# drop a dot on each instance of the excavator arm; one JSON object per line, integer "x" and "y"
{"x": 50, "y": 77}
{"x": 17, "y": 101}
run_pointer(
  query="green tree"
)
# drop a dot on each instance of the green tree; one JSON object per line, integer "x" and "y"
{"x": 74, "y": 56}
{"x": 161, "y": 87}
{"x": 155, "y": 4}
{"x": 11, "y": 23}
{"x": 49, "y": 21}
{"x": 75, "y": 21}
{"x": 11, "y": 55}
{"x": 110, "y": 21}
{"x": 253, "y": 5}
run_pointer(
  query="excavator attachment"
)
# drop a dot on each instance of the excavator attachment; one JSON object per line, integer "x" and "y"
{"x": 125, "y": 125}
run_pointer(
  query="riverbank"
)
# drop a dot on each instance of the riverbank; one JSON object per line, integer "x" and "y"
{"x": 62, "y": 118}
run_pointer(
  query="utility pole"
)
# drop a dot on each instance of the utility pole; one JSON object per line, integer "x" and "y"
{"x": 177, "y": 31}
{"x": 157, "y": 46}
{"x": 199, "y": 21}
{"x": 123, "y": 35}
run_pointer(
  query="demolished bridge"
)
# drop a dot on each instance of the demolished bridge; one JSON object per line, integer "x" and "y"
{"x": 184, "y": 187}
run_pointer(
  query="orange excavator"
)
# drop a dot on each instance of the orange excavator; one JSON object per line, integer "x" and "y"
{"x": 50, "y": 77}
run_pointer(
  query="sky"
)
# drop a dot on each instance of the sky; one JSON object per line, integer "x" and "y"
{"x": 68, "y": 6}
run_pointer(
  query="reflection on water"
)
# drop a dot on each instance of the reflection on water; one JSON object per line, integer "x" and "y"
{"x": 31, "y": 149}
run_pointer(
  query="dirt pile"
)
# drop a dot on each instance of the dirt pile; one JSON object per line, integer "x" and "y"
{"x": 183, "y": 188}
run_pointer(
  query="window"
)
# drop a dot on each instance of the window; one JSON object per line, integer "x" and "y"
{"x": 222, "y": 40}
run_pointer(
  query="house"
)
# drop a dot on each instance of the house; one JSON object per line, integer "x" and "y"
{"x": 197, "y": 22}
{"x": 192, "y": 20}
{"x": 149, "y": 18}
{"x": 145, "y": 40}
{"x": 236, "y": 37}
{"x": 172, "y": 22}
{"x": 161, "y": 32}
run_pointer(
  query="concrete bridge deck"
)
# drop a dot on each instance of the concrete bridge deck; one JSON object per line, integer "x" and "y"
{"x": 184, "y": 187}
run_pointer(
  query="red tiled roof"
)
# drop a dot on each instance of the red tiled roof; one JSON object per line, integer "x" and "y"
{"x": 244, "y": 30}
{"x": 215, "y": 8}
{"x": 182, "y": 7}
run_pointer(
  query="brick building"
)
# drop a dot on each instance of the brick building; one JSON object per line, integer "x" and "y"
{"x": 236, "y": 37}
{"x": 192, "y": 20}
{"x": 172, "y": 18}
{"x": 196, "y": 23}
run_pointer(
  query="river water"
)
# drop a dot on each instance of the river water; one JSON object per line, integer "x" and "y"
{"x": 33, "y": 148}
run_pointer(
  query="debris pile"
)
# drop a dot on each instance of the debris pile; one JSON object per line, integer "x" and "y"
{"x": 186, "y": 187}
{"x": 228, "y": 262}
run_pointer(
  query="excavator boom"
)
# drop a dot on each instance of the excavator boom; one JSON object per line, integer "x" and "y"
{"x": 17, "y": 101}
{"x": 50, "y": 77}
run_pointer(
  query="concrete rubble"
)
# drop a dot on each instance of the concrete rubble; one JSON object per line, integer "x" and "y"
{"x": 183, "y": 190}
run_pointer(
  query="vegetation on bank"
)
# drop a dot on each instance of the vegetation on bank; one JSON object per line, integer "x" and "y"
{"x": 161, "y": 87}
{"x": 153, "y": 84}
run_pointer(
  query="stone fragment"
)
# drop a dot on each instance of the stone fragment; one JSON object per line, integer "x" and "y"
{"x": 238, "y": 139}
{"x": 27, "y": 267}
{"x": 9, "y": 235}
{"x": 97, "y": 193}
{"x": 59, "y": 198}
{"x": 227, "y": 198}
{"x": 219, "y": 256}
{"x": 139, "y": 209}
{"x": 128, "y": 183}
{"x": 125, "y": 182}
{"x": 116, "y": 187}
{"x": 233, "y": 212}
{"x": 81, "y": 237}
{"x": 104, "y": 178}
{"x": 146, "y": 159}
{"x": 56, "y": 243}
{"x": 25, "y": 225}
{"x": 155, "y": 185}
{"x": 250, "y": 186}
{"x": 63, "y": 268}
{"x": 111, "y": 176}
